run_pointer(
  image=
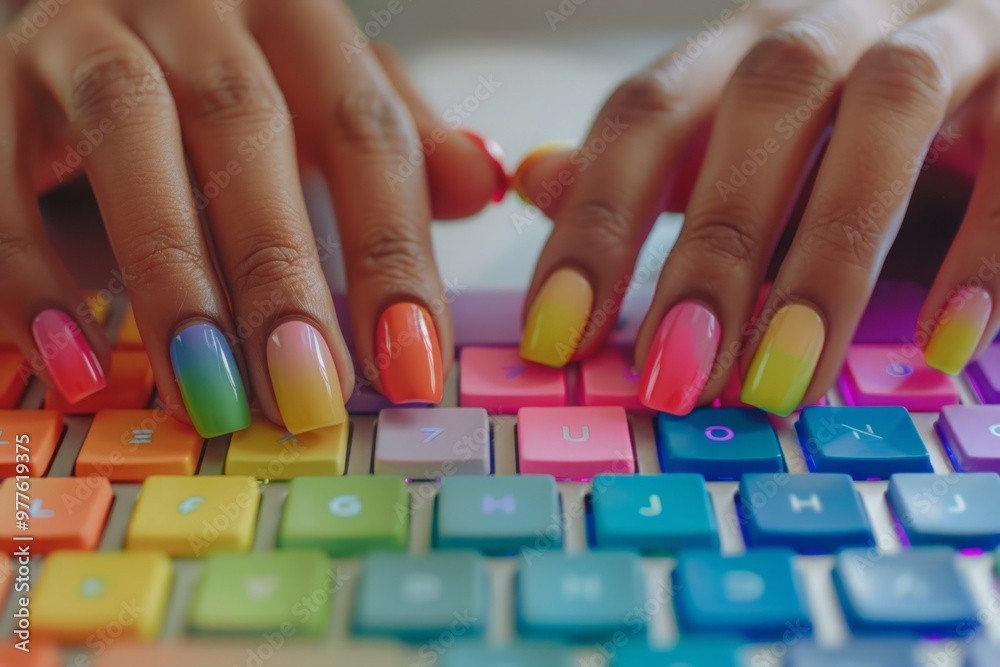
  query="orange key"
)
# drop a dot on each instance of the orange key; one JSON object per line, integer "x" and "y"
{"x": 66, "y": 513}
{"x": 35, "y": 432}
{"x": 14, "y": 375}
{"x": 128, "y": 333}
{"x": 131, "y": 445}
{"x": 130, "y": 385}
{"x": 41, "y": 655}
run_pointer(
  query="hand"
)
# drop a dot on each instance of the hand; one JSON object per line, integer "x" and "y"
{"x": 838, "y": 102}
{"x": 130, "y": 92}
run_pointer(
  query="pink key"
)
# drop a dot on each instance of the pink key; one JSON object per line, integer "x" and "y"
{"x": 574, "y": 443}
{"x": 497, "y": 379}
{"x": 972, "y": 435}
{"x": 607, "y": 378}
{"x": 894, "y": 375}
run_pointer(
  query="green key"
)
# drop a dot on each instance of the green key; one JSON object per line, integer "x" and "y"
{"x": 268, "y": 591}
{"x": 346, "y": 516}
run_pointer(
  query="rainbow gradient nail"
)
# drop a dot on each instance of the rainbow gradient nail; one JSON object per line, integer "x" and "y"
{"x": 959, "y": 329}
{"x": 209, "y": 380}
{"x": 304, "y": 378}
{"x": 68, "y": 357}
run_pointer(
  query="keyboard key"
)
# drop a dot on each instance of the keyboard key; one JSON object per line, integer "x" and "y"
{"x": 22, "y": 430}
{"x": 266, "y": 451}
{"x": 583, "y": 596}
{"x": 607, "y": 378}
{"x": 720, "y": 444}
{"x": 83, "y": 597}
{"x": 432, "y": 443}
{"x": 416, "y": 598}
{"x": 716, "y": 652}
{"x": 958, "y": 510}
{"x": 653, "y": 513}
{"x": 65, "y": 513}
{"x": 574, "y": 442}
{"x": 14, "y": 376}
{"x": 498, "y": 515}
{"x": 497, "y": 379}
{"x": 894, "y": 375}
{"x": 984, "y": 374}
{"x": 892, "y": 312}
{"x": 518, "y": 655}
{"x": 971, "y": 434}
{"x": 191, "y": 516}
{"x": 130, "y": 386}
{"x": 982, "y": 653}
{"x": 864, "y": 443}
{"x": 131, "y": 445}
{"x": 286, "y": 592}
{"x": 128, "y": 333}
{"x": 40, "y": 655}
{"x": 917, "y": 591}
{"x": 346, "y": 516}
{"x": 815, "y": 513}
{"x": 757, "y": 594}
{"x": 280, "y": 651}
{"x": 870, "y": 653}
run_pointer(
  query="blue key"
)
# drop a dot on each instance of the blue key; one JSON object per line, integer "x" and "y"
{"x": 583, "y": 596}
{"x": 654, "y": 513}
{"x": 498, "y": 515}
{"x": 862, "y": 442}
{"x": 717, "y": 652}
{"x": 917, "y": 591}
{"x": 757, "y": 594}
{"x": 721, "y": 444}
{"x": 958, "y": 510}
{"x": 862, "y": 653}
{"x": 416, "y": 598}
{"x": 520, "y": 655}
{"x": 816, "y": 513}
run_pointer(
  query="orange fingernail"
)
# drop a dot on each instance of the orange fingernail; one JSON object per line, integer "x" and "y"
{"x": 408, "y": 355}
{"x": 528, "y": 163}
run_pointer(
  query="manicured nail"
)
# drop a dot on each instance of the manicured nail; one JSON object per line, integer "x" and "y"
{"x": 209, "y": 380}
{"x": 408, "y": 355}
{"x": 557, "y": 318}
{"x": 529, "y": 162}
{"x": 304, "y": 378}
{"x": 959, "y": 329}
{"x": 783, "y": 367}
{"x": 495, "y": 154}
{"x": 680, "y": 359}
{"x": 68, "y": 357}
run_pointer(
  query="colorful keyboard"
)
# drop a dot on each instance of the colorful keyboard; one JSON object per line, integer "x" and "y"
{"x": 537, "y": 518}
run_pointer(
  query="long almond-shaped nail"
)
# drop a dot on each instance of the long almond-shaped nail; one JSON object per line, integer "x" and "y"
{"x": 557, "y": 318}
{"x": 304, "y": 378}
{"x": 494, "y": 153}
{"x": 959, "y": 330}
{"x": 209, "y": 380}
{"x": 68, "y": 357}
{"x": 782, "y": 369}
{"x": 680, "y": 359}
{"x": 408, "y": 355}
{"x": 528, "y": 163}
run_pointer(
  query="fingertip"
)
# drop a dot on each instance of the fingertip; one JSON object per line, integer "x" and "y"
{"x": 466, "y": 171}
{"x": 542, "y": 165}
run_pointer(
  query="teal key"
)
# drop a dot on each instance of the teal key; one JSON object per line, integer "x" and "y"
{"x": 717, "y": 652}
{"x": 518, "y": 655}
{"x": 416, "y": 598}
{"x": 653, "y": 513}
{"x": 585, "y": 596}
{"x": 498, "y": 515}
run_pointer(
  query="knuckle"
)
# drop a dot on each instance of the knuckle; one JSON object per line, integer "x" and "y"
{"x": 650, "y": 95}
{"x": 267, "y": 260}
{"x": 787, "y": 63}
{"x": 374, "y": 121}
{"x": 157, "y": 252}
{"x": 16, "y": 249}
{"x": 728, "y": 238}
{"x": 603, "y": 225}
{"x": 112, "y": 81}
{"x": 229, "y": 91}
{"x": 840, "y": 238}
{"x": 906, "y": 74}
{"x": 393, "y": 254}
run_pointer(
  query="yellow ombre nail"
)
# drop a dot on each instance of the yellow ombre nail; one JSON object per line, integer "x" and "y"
{"x": 557, "y": 318}
{"x": 783, "y": 367}
{"x": 959, "y": 330}
{"x": 304, "y": 378}
{"x": 530, "y": 160}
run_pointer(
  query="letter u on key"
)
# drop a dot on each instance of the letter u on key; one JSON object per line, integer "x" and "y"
{"x": 584, "y": 434}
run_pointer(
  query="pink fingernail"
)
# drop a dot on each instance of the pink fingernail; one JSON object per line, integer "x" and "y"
{"x": 68, "y": 358}
{"x": 680, "y": 359}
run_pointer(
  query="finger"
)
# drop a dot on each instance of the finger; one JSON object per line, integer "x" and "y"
{"x": 239, "y": 137}
{"x": 398, "y": 306}
{"x": 894, "y": 102}
{"x": 110, "y": 88}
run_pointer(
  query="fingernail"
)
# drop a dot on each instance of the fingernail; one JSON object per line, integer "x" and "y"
{"x": 408, "y": 355}
{"x": 528, "y": 163}
{"x": 782, "y": 369}
{"x": 209, "y": 380}
{"x": 68, "y": 357}
{"x": 557, "y": 318}
{"x": 959, "y": 330}
{"x": 680, "y": 359}
{"x": 495, "y": 154}
{"x": 304, "y": 378}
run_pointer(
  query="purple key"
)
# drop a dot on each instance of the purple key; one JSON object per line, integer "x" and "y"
{"x": 432, "y": 443}
{"x": 487, "y": 318}
{"x": 972, "y": 435}
{"x": 891, "y": 316}
{"x": 985, "y": 375}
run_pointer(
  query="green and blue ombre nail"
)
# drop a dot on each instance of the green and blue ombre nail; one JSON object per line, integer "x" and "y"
{"x": 210, "y": 380}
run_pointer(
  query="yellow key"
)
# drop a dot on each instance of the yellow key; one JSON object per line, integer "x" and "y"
{"x": 97, "y": 598}
{"x": 266, "y": 451}
{"x": 128, "y": 332}
{"x": 192, "y": 516}
{"x": 100, "y": 305}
